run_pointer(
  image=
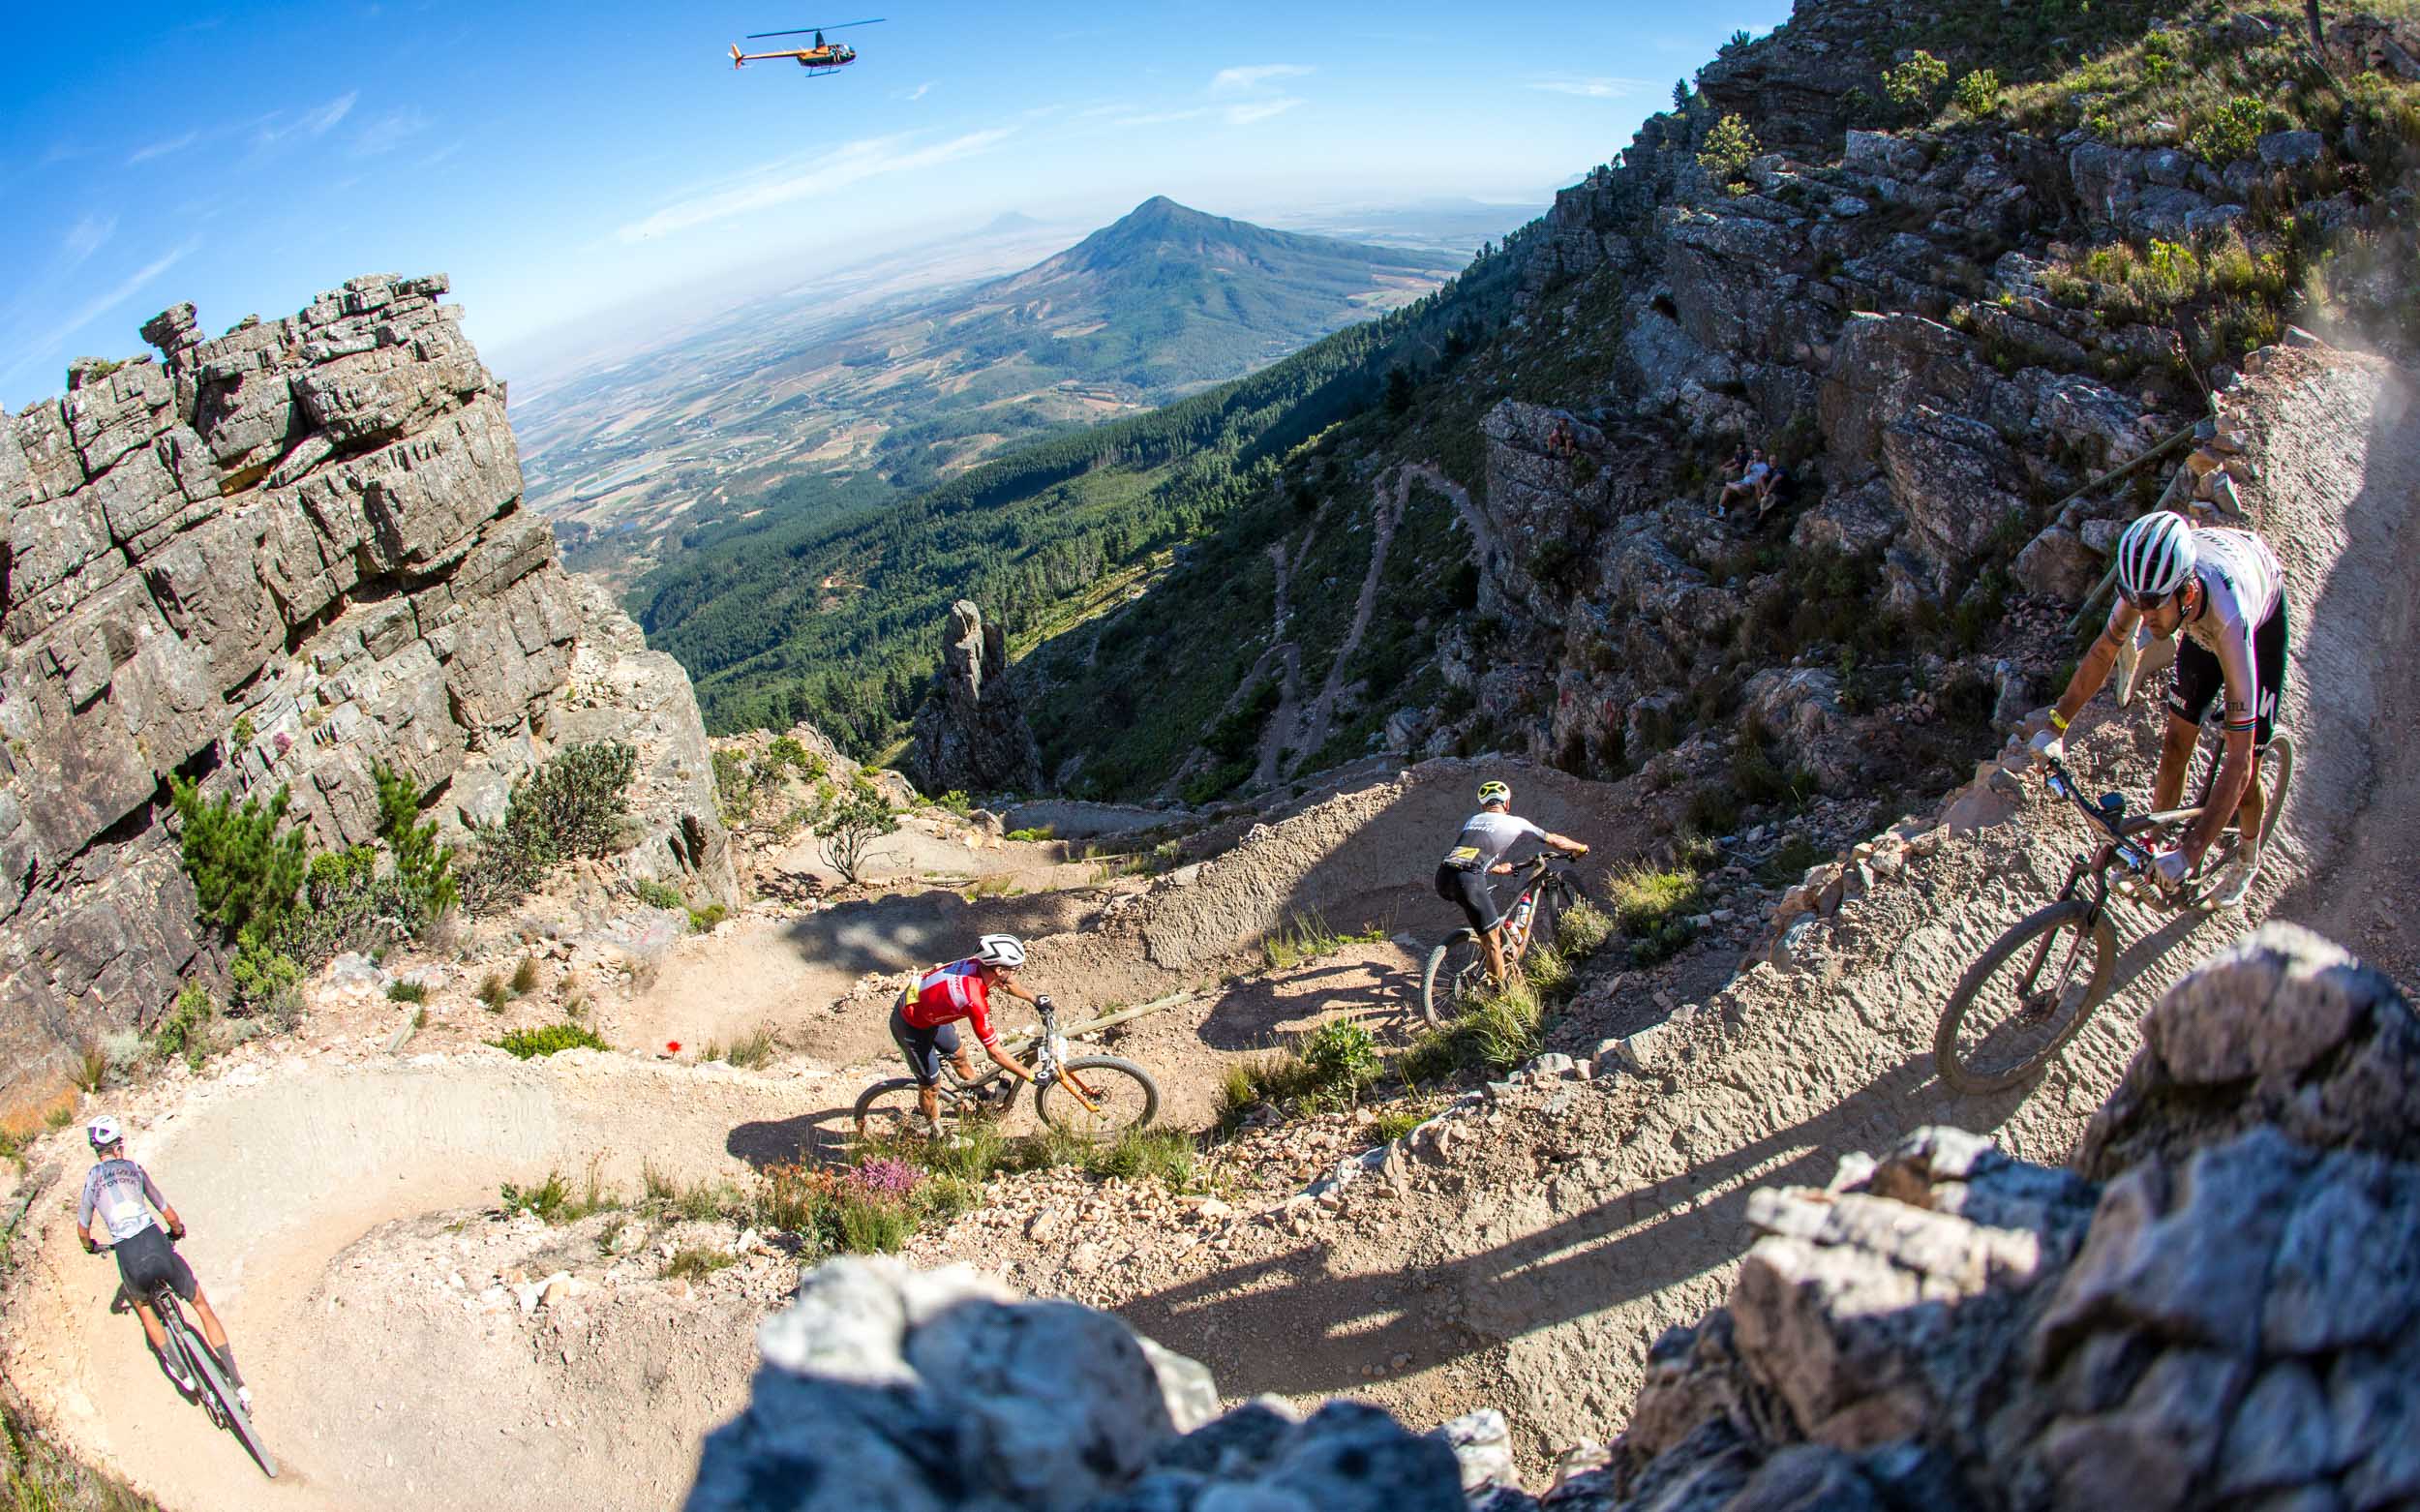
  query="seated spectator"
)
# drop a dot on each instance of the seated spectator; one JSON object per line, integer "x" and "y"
{"x": 1773, "y": 491}
{"x": 1750, "y": 483}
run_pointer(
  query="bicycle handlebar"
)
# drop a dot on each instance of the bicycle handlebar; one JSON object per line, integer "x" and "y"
{"x": 2126, "y": 850}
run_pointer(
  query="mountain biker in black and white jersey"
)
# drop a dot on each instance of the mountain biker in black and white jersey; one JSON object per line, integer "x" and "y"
{"x": 2224, "y": 591}
{"x": 122, "y": 1196}
{"x": 1479, "y": 850}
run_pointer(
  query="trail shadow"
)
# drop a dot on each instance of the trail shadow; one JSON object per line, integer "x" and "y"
{"x": 900, "y": 932}
{"x": 1256, "y": 1014}
{"x": 1637, "y": 1242}
{"x": 820, "y": 1137}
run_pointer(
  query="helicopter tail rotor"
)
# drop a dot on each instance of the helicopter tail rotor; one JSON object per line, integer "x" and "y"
{"x": 736, "y": 61}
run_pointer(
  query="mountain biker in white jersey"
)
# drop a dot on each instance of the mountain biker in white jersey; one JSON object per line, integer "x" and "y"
{"x": 1479, "y": 850}
{"x": 2226, "y": 591}
{"x": 122, "y": 1196}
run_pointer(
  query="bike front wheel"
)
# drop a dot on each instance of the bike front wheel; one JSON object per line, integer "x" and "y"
{"x": 218, "y": 1400}
{"x": 2019, "y": 1005}
{"x": 1122, "y": 1094}
{"x": 1456, "y": 973}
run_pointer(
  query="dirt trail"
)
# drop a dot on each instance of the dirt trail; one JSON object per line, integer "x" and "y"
{"x": 284, "y": 1165}
{"x": 1313, "y": 734}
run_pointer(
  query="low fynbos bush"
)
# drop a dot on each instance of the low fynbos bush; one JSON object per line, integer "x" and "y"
{"x": 575, "y": 806}
{"x": 1978, "y": 92}
{"x": 2230, "y": 132}
{"x": 532, "y": 1044}
{"x": 658, "y": 894}
{"x": 1731, "y": 145}
{"x": 1916, "y": 83}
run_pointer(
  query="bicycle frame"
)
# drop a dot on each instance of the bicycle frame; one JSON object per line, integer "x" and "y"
{"x": 1519, "y": 924}
{"x": 1050, "y": 1055}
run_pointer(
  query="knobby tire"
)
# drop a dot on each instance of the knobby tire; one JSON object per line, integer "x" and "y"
{"x": 220, "y": 1402}
{"x": 1123, "y": 1092}
{"x": 2100, "y": 938}
{"x": 1447, "y": 976}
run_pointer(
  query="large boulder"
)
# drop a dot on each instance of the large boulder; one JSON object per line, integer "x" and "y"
{"x": 882, "y": 1386}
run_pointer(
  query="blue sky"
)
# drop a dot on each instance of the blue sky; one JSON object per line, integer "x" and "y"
{"x": 559, "y": 160}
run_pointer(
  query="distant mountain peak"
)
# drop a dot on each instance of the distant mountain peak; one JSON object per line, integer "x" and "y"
{"x": 1010, "y": 221}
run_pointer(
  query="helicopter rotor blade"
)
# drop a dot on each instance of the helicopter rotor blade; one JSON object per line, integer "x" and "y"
{"x": 803, "y": 30}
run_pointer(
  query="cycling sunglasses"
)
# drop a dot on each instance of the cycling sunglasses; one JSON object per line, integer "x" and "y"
{"x": 2145, "y": 605}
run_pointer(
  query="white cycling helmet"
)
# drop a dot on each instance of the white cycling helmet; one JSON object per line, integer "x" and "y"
{"x": 2154, "y": 557}
{"x": 103, "y": 1131}
{"x": 1493, "y": 792}
{"x": 1000, "y": 950}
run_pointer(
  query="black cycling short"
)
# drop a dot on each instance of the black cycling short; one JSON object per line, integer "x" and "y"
{"x": 2199, "y": 677}
{"x": 1468, "y": 888}
{"x": 148, "y": 1260}
{"x": 923, "y": 1048}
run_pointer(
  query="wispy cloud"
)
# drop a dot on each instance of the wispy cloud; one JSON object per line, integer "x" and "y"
{"x": 44, "y": 344}
{"x": 1243, "y": 80}
{"x": 161, "y": 150}
{"x": 804, "y": 176}
{"x": 1259, "y": 110}
{"x": 919, "y": 91}
{"x": 275, "y": 128}
{"x": 1589, "y": 88}
{"x": 388, "y": 131}
{"x": 86, "y": 236}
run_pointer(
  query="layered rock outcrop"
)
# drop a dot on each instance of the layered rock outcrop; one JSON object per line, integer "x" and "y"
{"x": 971, "y": 735}
{"x": 274, "y": 559}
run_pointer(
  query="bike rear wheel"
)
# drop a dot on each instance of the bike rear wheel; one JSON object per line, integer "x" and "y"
{"x": 1123, "y": 1097}
{"x": 890, "y": 1110}
{"x": 2020, "y": 1003}
{"x": 2277, "y": 774}
{"x": 1456, "y": 973}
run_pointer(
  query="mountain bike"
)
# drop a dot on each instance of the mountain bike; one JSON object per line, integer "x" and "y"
{"x": 189, "y": 1354}
{"x": 1093, "y": 1097}
{"x": 2029, "y": 994}
{"x": 1456, "y": 971}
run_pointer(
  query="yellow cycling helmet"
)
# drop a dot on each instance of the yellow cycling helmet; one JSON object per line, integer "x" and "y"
{"x": 1493, "y": 792}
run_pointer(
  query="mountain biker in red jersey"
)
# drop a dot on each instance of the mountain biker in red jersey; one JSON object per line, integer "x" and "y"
{"x": 2224, "y": 592}
{"x": 922, "y": 1020}
{"x": 122, "y": 1196}
{"x": 1479, "y": 851}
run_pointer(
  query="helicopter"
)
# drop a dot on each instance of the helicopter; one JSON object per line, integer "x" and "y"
{"x": 821, "y": 58}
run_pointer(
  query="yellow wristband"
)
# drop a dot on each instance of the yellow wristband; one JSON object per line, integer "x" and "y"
{"x": 2058, "y": 722}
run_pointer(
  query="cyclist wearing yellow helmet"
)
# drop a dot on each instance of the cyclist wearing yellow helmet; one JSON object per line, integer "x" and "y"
{"x": 1486, "y": 837}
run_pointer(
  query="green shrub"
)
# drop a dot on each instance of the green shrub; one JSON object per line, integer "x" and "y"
{"x": 1401, "y": 1119}
{"x": 956, "y": 801}
{"x": 186, "y": 1029}
{"x": 748, "y": 1053}
{"x": 1580, "y": 931}
{"x": 245, "y": 732}
{"x": 260, "y": 976}
{"x": 1731, "y": 145}
{"x": 552, "y": 1039}
{"x": 1915, "y": 84}
{"x": 246, "y": 874}
{"x": 423, "y": 872}
{"x": 2230, "y": 132}
{"x": 1342, "y": 1058}
{"x": 1978, "y": 92}
{"x": 546, "y": 1199}
{"x": 407, "y": 992}
{"x": 577, "y": 804}
{"x": 860, "y": 819}
{"x": 1167, "y": 1154}
{"x": 1042, "y": 832}
{"x": 705, "y": 1199}
{"x": 694, "y": 1263}
{"x": 702, "y": 921}
{"x": 658, "y": 894}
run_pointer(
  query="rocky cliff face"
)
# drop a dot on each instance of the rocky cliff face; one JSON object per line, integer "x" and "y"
{"x": 270, "y": 558}
{"x": 971, "y": 735}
